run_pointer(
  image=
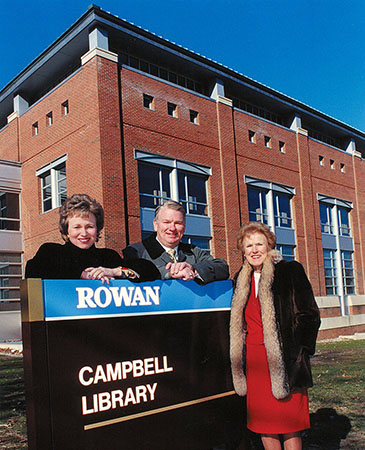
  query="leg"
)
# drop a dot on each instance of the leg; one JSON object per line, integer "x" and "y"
{"x": 271, "y": 441}
{"x": 292, "y": 441}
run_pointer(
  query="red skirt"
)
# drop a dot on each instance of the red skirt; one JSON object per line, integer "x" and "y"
{"x": 266, "y": 414}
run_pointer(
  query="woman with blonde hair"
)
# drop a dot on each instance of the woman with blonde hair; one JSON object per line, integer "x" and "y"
{"x": 273, "y": 330}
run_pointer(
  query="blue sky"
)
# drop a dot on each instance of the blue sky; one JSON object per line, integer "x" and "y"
{"x": 311, "y": 50}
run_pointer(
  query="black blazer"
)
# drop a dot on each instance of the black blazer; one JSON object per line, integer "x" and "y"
{"x": 56, "y": 261}
{"x": 209, "y": 268}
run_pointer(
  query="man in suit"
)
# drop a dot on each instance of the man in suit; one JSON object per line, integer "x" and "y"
{"x": 173, "y": 258}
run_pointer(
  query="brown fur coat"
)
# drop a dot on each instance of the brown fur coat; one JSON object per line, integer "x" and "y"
{"x": 290, "y": 320}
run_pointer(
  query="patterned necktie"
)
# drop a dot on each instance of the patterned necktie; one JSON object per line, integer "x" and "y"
{"x": 171, "y": 253}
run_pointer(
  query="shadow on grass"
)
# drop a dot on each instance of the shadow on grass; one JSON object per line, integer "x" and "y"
{"x": 327, "y": 430}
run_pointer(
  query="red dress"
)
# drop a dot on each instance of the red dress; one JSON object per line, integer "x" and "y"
{"x": 266, "y": 414}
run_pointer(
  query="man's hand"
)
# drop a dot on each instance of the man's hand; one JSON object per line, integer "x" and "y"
{"x": 181, "y": 271}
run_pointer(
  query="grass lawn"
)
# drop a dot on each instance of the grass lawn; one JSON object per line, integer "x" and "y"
{"x": 13, "y": 429}
{"x": 336, "y": 400}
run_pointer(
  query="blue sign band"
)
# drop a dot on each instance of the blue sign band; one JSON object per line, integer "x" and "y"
{"x": 72, "y": 299}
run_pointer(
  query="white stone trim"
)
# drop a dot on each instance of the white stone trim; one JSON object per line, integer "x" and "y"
{"x": 51, "y": 165}
{"x": 356, "y": 300}
{"x": 358, "y": 154}
{"x": 328, "y": 323}
{"x": 225, "y": 101}
{"x": 302, "y": 131}
{"x": 99, "y": 52}
{"x": 328, "y": 302}
{"x": 12, "y": 116}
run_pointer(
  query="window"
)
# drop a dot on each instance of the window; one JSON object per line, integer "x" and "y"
{"x": 282, "y": 211}
{"x": 347, "y": 267}
{"x": 65, "y": 108}
{"x": 134, "y": 62}
{"x": 173, "y": 77}
{"x": 172, "y": 109}
{"x": 257, "y": 209}
{"x": 270, "y": 203}
{"x": 200, "y": 242}
{"x": 282, "y": 146}
{"x": 342, "y": 168}
{"x": 253, "y": 109}
{"x": 154, "y": 185}
{"x": 9, "y": 211}
{"x": 287, "y": 252}
{"x": 154, "y": 70}
{"x": 321, "y": 160}
{"x": 49, "y": 119}
{"x": 343, "y": 221}
{"x": 10, "y": 276}
{"x": 160, "y": 179}
{"x": 325, "y": 212}
{"x": 337, "y": 247}
{"x": 161, "y": 72}
{"x": 267, "y": 141}
{"x": 332, "y": 164}
{"x": 323, "y": 138}
{"x": 327, "y": 219}
{"x": 252, "y": 136}
{"x": 194, "y": 117}
{"x": 35, "y": 129}
{"x": 330, "y": 275}
{"x": 53, "y": 184}
{"x": 192, "y": 193}
{"x": 148, "y": 101}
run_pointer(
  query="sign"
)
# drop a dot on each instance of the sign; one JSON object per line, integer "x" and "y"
{"x": 130, "y": 366}
{"x": 94, "y": 299}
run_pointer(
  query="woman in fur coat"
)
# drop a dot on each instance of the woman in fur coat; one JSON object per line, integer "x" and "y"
{"x": 274, "y": 326}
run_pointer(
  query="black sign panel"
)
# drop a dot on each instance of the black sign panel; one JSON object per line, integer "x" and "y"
{"x": 133, "y": 382}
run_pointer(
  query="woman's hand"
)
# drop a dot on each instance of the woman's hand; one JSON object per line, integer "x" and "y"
{"x": 106, "y": 274}
{"x": 100, "y": 273}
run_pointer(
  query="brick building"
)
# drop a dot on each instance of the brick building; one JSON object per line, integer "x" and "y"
{"x": 130, "y": 118}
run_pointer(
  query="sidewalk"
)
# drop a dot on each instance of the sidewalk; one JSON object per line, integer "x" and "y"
{"x": 15, "y": 348}
{"x": 11, "y": 348}
{"x": 356, "y": 337}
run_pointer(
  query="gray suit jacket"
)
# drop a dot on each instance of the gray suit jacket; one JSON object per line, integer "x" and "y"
{"x": 208, "y": 268}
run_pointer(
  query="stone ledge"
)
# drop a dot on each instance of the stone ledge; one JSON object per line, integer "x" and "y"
{"x": 328, "y": 323}
{"x": 99, "y": 52}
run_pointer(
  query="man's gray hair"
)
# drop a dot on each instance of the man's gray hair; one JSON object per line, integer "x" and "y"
{"x": 171, "y": 204}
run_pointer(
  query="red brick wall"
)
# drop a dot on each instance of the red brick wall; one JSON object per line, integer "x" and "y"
{"x": 9, "y": 148}
{"x": 341, "y": 185}
{"x": 358, "y": 218}
{"x": 357, "y": 309}
{"x": 344, "y": 331}
{"x": 227, "y": 191}
{"x": 157, "y": 133}
{"x": 111, "y": 154}
{"x": 76, "y": 135}
{"x": 330, "y": 312}
{"x": 93, "y": 140}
